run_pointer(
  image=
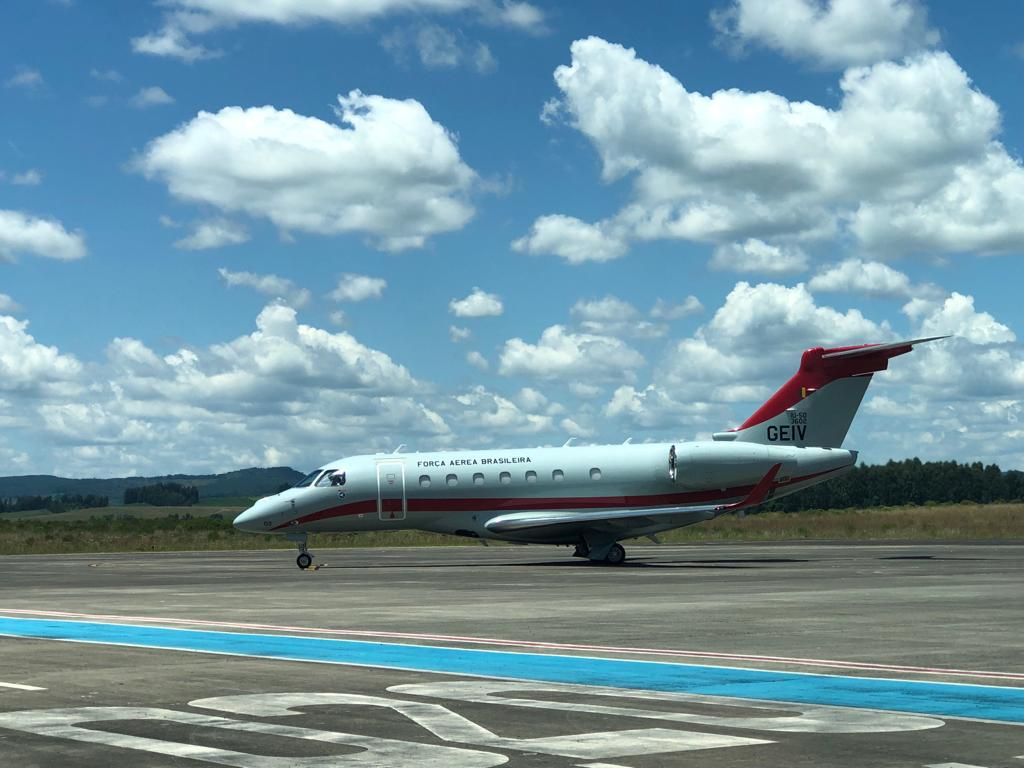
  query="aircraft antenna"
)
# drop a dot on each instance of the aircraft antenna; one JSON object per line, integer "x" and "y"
{"x": 568, "y": 442}
{"x": 398, "y": 449}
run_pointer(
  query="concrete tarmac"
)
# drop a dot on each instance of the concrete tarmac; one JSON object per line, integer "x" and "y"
{"x": 926, "y": 613}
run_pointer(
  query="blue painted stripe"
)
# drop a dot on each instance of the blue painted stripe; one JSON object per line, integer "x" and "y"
{"x": 919, "y": 697}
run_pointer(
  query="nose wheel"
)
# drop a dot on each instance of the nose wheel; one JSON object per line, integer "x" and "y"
{"x": 304, "y": 560}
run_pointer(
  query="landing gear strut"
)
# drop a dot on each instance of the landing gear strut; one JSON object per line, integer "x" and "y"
{"x": 304, "y": 560}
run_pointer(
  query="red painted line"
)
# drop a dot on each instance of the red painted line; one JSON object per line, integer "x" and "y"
{"x": 536, "y": 644}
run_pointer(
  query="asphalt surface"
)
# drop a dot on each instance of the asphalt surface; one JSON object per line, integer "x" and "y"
{"x": 843, "y": 614}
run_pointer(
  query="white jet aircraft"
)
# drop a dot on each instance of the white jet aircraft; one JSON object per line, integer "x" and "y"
{"x": 592, "y": 497}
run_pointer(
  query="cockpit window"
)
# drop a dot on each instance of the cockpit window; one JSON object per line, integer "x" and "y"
{"x": 331, "y": 477}
{"x": 307, "y": 480}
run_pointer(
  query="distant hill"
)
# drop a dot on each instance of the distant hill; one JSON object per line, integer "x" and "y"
{"x": 240, "y": 483}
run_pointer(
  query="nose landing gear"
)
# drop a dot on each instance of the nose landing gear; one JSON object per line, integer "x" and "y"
{"x": 304, "y": 560}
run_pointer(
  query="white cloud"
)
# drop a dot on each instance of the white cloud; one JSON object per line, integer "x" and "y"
{"x": 25, "y": 77}
{"x": 562, "y": 354}
{"x": 268, "y": 285}
{"x": 956, "y": 315}
{"x": 22, "y": 233}
{"x": 834, "y": 33}
{"x": 29, "y": 178}
{"x": 663, "y": 310}
{"x": 478, "y": 303}
{"x": 106, "y": 75}
{"x": 459, "y": 333}
{"x": 151, "y": 96}
{"x": 573, "y": 240}
{"x": 26, "y": 365}
{"x": 477, "y": 360}
{"x": 172, "y": 42}
{"x": 213, "y": 233}
{"x": 614, "y": 317}
{"x": 871, "y": 278}
{"x": 388, "y": 171}
{"x": 338, "y": 317}
{"x": 352, "y": 287}
{"x": 909, "y": 160}
{"x": 485, "y": 410}
{"x": 654, "y": 408}
{"x": 772, "y": 316}
{"x": 7, "y": 304}
{"x": 757, "y": 256}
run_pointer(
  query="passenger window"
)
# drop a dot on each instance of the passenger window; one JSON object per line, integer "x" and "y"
{"x": 478, "y": 478}
{"x": 424, "y": 481}
{"x": 531, "y": 476}
{"x": 558, "y": 475}
{"x": 505, "y": 478}
{"x": 452, "y": 480}
{"x": 595, "y": 473}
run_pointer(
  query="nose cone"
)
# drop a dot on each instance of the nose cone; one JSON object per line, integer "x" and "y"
{"x": 250, "y": 521}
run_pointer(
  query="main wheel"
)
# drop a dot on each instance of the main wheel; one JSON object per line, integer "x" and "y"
{"x": 616, "y": 555}
{"x": 304, "y": 560}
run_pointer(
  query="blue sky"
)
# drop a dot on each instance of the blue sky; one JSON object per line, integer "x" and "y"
{"x": 237, "y": 233}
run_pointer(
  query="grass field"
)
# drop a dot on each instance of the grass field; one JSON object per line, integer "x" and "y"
{"x": 139, "y": 528}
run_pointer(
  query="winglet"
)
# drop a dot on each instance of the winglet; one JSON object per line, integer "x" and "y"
{"x": 758, "y": 494}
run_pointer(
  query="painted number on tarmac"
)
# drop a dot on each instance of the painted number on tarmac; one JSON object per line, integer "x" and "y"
{"x": 475, "y": 742}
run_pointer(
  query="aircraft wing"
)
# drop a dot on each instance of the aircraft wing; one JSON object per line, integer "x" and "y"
{"x": 620, "y": 519}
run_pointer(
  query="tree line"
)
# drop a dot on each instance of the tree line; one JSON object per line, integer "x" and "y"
{"x": 910, "y": 481}
{"x": 163, "y": 495}
{"x": 61, "y": 503}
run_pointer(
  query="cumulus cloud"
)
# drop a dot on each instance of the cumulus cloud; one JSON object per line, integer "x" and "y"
{"x": 573, "y": 240}
{"x": 387, "y": 171}
{"x": 477, "y": 360}
{"x": 664, "y": 310}
{"x": 28, "y": 366}
{"x": 24, "y": 233}
{"x": 29, "y": 178}
{"x": 7, "y": 304}
{"x": 459, "y": 333}
{"x": 268, "y": 285}
{"x": 956, "y": 315}
{"x": 352, "y": 287}
{"x": 614, "y": 317}
{"x": 213, "y": 233}
{"x": 171, "y": 41}
{"x": 757, "y": 256}
{"x": 151, "y": 96}
{"x": 439, "y": 48}
{"x": 909, "y": 160}
{"x": 185, "y": 19}
{"x": 563, "y": 354}
{"x": 871, "y": 278}
{"x": 25, "y": 77}
{"x": 478, "y": 303}
{"x": 831, "y": 33}
{"x": 487, "y": 410}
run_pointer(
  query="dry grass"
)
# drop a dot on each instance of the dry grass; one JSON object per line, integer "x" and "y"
{"x": 153, "y": 530}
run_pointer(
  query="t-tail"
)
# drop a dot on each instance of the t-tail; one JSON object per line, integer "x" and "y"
{"x": 816, "y": 406}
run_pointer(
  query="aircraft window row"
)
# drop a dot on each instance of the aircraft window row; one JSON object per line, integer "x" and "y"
{"x": 452, "y": 480}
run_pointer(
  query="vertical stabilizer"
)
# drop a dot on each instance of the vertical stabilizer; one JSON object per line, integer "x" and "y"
{"x": 817, "y": 405}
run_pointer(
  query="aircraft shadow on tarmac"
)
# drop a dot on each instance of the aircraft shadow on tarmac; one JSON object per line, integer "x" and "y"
{"x": 737, "y": 563}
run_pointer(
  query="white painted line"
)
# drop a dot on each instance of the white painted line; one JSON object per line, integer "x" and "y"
{"x": 21, "y": 687}
{"x": 863, "y": 666}
{"x": 601, "y": 765}
{"x": 953, "y": 765}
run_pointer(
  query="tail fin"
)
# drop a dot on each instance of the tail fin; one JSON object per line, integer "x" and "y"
{"x": 817, "y": 405}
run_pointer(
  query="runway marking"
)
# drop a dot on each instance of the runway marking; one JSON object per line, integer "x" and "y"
{"x": 994, "y": 703}
{"x": 21, "y": 687}
{"x": 860, "y": 666}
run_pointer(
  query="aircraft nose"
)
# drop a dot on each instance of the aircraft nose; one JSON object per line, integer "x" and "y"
{"x": 249, "y": 521}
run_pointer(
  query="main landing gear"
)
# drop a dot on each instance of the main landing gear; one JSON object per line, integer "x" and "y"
{"x": 304, "y": 560}
{"x": 608, "y": 554}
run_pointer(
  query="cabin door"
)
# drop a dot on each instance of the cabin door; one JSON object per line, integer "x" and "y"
{"x": 391, "y": 502}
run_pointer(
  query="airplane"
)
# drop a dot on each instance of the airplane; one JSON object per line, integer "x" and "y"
{"x": 592, "y": 497}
